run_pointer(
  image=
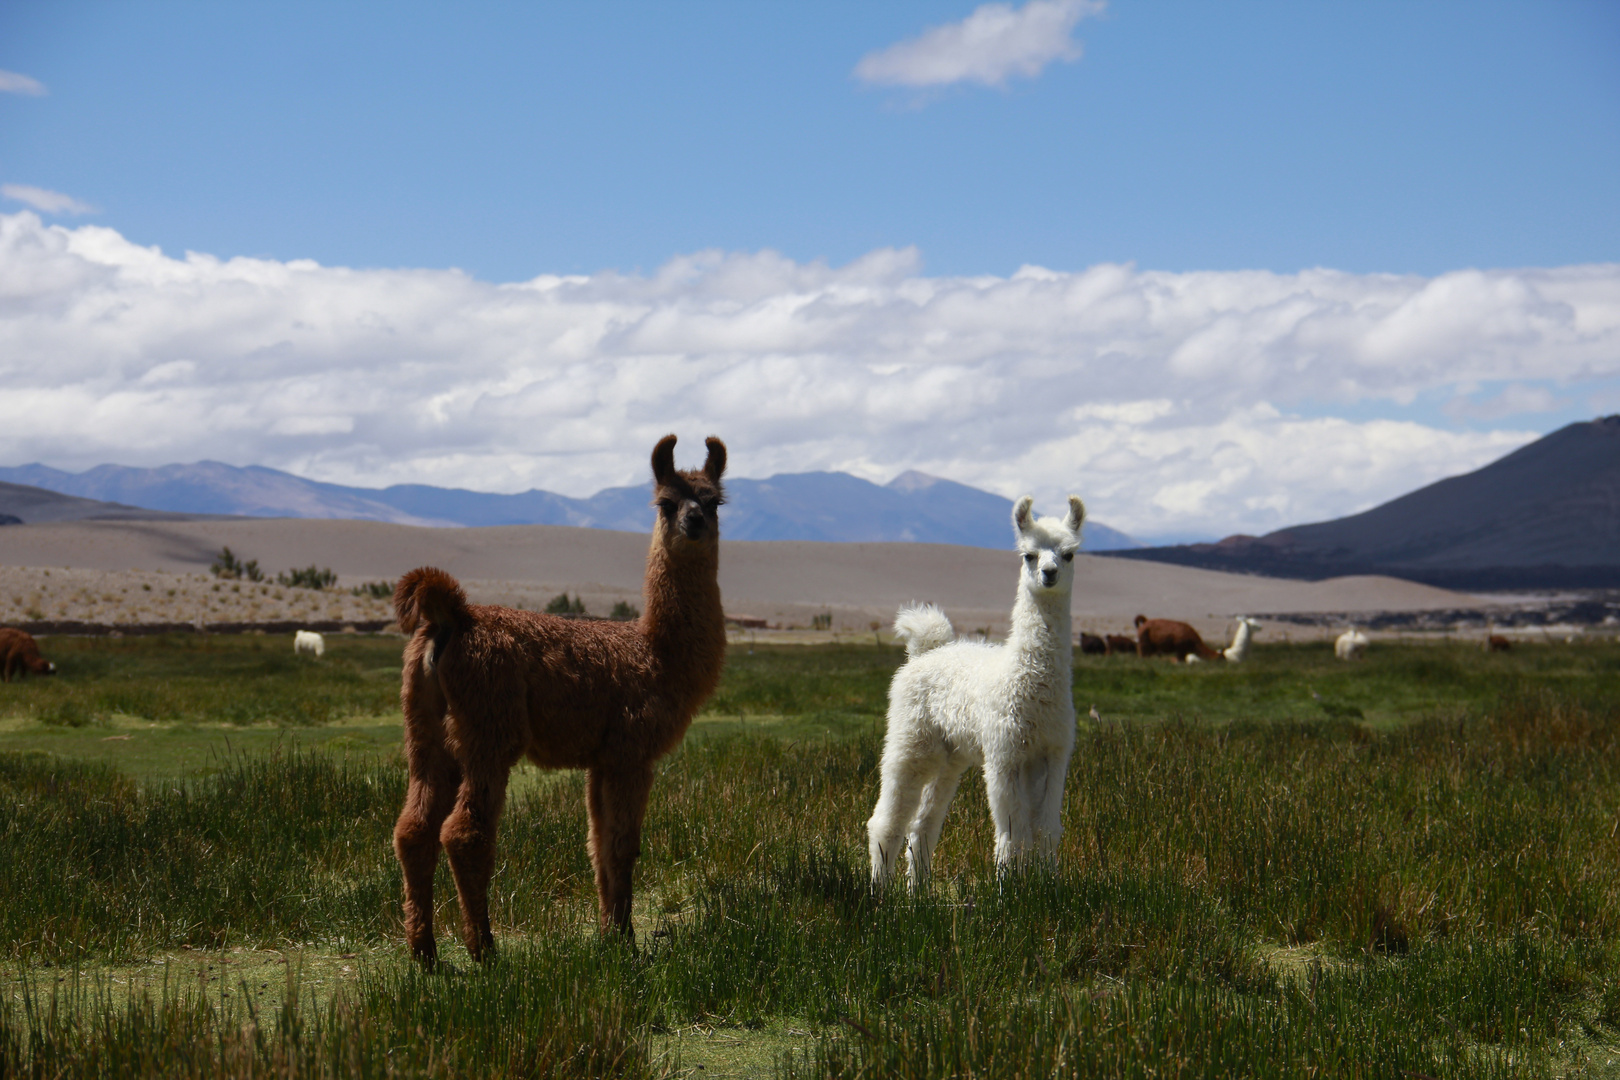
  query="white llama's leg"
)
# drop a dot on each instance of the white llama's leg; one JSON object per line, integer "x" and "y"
{"x": 1047, "y": 799}
{"x": 1009, "y": 811}
{"x": 903, "y": 783}
{"x": 925, "y": 827}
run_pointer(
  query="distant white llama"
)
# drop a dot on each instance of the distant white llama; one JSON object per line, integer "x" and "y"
{"x": 1350, "y": 645}
{"x": 1238, "y": 651}
{"x": 309, "y": 643}
{"x": 1008, "y": 708}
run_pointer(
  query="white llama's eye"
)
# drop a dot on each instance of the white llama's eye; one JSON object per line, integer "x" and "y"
{"x": 1029, "y": 557}
{"x": 1068, "y": 556}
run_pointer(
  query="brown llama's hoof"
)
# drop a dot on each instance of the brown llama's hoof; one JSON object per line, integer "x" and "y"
{"x": 481, "y": 947}
{"x": 426, "y": 955}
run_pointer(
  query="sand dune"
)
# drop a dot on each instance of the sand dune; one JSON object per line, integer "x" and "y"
{"x": 784, "y": 581}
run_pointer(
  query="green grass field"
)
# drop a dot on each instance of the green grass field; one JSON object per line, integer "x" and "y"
{"x": 1406, "y": 867}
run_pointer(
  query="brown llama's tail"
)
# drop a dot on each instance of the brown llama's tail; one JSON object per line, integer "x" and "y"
{"x": 428, "y": 595}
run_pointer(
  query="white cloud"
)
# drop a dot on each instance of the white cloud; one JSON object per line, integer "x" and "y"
{"x": 45, "y": 200}
{"x": 1174, "y": 403}
{"x": 989, "y": 46}
{"x": 12, "y": 82}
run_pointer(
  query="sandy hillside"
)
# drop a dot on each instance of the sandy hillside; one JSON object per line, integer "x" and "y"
{"x": 124, "y": 571}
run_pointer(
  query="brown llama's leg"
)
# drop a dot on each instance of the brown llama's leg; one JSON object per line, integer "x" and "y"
{"x": 617, "y": 800}
{"x": 435, "y": 778}
{"x": 468, "y": 836}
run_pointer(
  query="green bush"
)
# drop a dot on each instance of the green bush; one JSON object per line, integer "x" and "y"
{"x": 376, "y": 590}
{"x": 561, "y": 605}
{"x": 310, "y": 577}
{"x": 226, "y": 565}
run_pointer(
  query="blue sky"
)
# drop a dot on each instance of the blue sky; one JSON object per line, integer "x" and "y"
{"x": 816, "y": 150}
{"x": 515, "y": 140}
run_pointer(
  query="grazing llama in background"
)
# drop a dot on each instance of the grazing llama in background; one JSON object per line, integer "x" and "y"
{"x": 1120, "y": 645}
{"x": 309, "y": 643}
{"x": 1167, "y": 637}
{"x": 1092, "y": 644}
{"x": 19, "y": 652}
{"x": 1497, "y": 643}
{"x": 1238, "y": 651}
{"x": 1350, "y": 645}
{"x": 485, "y": 686}
{"x": 1008, "y": 707}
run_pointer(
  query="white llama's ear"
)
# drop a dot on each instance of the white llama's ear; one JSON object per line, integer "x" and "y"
{"x": 1022, "y": 518}
{"x": 1077, "y": 513}
{"x": 716, "y": 464}
{"x": 663, "y": 460}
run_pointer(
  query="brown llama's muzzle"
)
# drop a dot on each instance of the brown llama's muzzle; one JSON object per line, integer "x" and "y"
{"x": 693, "y": 525}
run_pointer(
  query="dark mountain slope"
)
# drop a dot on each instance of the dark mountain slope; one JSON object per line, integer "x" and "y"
{"x": 1546, "y": 515}
{"x": 22, "y": 504}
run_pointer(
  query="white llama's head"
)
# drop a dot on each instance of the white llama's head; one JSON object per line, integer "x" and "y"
{"x": 1047, "y": 546}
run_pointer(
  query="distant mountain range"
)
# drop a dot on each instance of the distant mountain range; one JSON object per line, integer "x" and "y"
{"x": 1545, "y": 516}
{"x": 795, "y": 506}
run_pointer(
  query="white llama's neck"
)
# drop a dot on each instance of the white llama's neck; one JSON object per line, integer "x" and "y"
{"x": 1240, "y": 641}
{"x": 1041, "y": 635}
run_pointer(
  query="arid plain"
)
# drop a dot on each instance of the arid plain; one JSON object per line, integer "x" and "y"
{"x": 125, "y": 572}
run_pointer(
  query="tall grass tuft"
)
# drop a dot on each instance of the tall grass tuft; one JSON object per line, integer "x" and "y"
{"x": 285, "y": 848}
{"x": 541, "y": 1011}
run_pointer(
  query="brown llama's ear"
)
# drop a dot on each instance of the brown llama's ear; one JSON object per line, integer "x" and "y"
{"x": 716, "y": 463}
{"x": 663, "y": 460}
{"x": 1022, "y": 518}
{"x": 1077, "y": 513}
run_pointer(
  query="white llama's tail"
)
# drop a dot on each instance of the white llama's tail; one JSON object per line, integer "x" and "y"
{"x": 922, "y": 628}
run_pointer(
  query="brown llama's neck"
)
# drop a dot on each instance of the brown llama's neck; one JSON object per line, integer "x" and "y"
{"x": 683, "y": 619}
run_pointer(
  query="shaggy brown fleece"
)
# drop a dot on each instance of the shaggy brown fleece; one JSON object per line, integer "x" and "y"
{"x": 486, "y": 686}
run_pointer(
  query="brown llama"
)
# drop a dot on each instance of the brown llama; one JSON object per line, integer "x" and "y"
{"x": 1167, "y": 637}
{"x": 19, "y": 652}
{"x": 484, "y": 686}
{"x": 1497, "y": 643}
{"x": 1092, "y": 645}
{"x": 1120, "y": 645}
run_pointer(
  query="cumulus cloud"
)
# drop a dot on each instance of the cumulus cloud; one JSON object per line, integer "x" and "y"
{"x": 45, "y": 200}
{"x": 990, "y": 46}
{"x": 1175, "y": 403}
{"x": 12, "y": 82}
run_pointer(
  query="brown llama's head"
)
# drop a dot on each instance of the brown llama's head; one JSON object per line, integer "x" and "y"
{"x": 688, "y": 500}
{"x": 1140, "y": 619}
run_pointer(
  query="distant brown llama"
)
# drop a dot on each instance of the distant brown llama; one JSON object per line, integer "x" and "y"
{"x": 19, "y": 652}
{"x": 484, "y": 686}
{"x": 1120, "y": 645}
{"x": 1168, "y": 637}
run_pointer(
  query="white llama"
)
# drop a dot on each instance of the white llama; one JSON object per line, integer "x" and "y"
{"x": 308, "y": 643}
{"x": 1008, "y": 708}
{"x": 1350, "y": 645}
{"x": 1238, "y": 651}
